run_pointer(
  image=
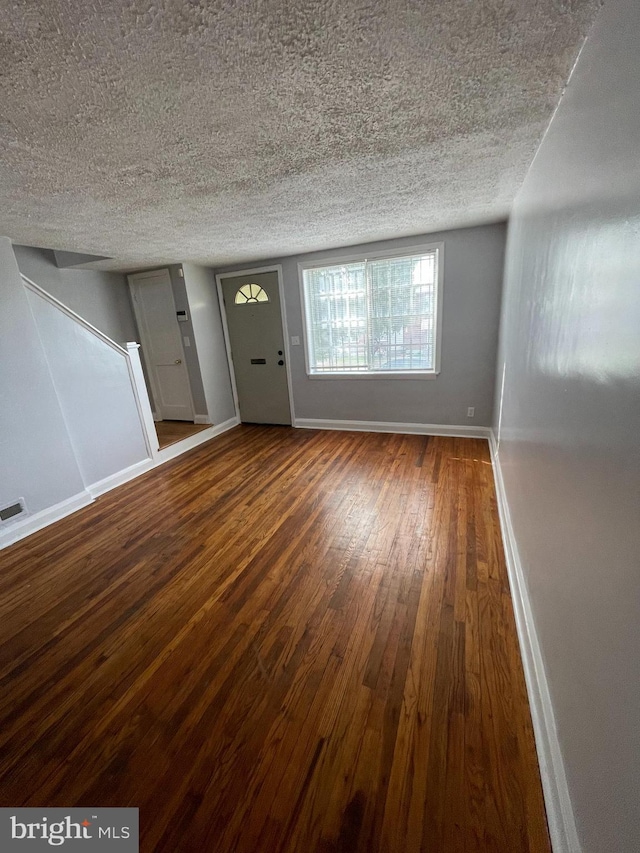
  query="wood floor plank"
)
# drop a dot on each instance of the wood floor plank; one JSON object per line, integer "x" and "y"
{"x": 171, "y": 431}
{"x": 284, "y": 640}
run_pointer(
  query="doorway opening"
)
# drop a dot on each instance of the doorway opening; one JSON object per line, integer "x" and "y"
{"x": 162, "y": 345}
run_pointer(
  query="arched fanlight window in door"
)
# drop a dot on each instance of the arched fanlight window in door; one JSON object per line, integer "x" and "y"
{"x": 251, "y": 293}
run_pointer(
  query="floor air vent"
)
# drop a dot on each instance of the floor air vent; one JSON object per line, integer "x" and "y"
{"x": 11, "y": 513}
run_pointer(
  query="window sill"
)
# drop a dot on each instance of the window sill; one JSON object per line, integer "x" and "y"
{"x": 391, "y": 374}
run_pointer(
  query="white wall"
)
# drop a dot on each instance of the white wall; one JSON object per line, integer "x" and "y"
{"x": 95, "y": 394}
{"x": 36, "y": 457}
{"x": 473, "y": 267}
{"x": 101, "y": 298}
{"x": 570, "y": 422}
{"x": 209, "y": 342}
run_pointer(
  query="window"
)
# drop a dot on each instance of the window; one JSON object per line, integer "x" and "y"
{"x": 374, "y": 315}
{"x": 251, "y": 293}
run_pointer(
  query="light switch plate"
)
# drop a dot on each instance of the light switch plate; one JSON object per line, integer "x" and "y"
{"x": 186, "y": 341}
{"x": 295, "y": 341}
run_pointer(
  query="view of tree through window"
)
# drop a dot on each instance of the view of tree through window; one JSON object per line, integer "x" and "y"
{"x": 372, "y": 315}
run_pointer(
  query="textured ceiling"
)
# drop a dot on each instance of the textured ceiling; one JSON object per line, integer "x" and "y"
{"x": 229, "y": 131}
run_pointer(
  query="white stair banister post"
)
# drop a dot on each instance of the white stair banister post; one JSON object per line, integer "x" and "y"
{"x": 142, "y": 398}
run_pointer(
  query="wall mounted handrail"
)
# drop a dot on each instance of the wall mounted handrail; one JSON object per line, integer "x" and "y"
{"x": 70, "y": 313}
{"x": 131, "y": 358}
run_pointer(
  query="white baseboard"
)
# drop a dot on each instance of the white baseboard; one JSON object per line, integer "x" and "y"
{"x": 562, "y": 826}
{"x": 102, "y": 486}
{"x": 156, "y": 417}
{"x": 202, "y": 419}
{"x": 384, "y": 426}
{"x": 33, "y": 523}
{"x": 192, "y": 441}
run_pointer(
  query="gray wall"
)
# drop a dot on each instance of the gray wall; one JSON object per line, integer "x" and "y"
{"x": 473, "y": 265}
{"x": 206, "y": 321}
{"x": 570, "y": 426}
{"x": 94, "y": 391}
{"x": 36, "y": 458}
{"x": 100, "y": 298}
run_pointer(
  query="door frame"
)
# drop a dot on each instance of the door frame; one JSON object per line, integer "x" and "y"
{"x": 146, "y": 343}
{"x": 277, "y": 268}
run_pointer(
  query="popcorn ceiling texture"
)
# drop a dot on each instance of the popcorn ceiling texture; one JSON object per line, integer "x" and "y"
{"x": 220, "y": 132}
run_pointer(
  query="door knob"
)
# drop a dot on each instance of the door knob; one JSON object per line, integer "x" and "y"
{"x": 178, "y": 361}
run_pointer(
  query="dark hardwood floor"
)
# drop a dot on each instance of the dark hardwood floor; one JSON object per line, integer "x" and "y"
{"x": 283, "y": 640}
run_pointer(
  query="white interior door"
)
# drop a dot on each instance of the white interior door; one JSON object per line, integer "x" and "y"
{"x": 254, "y": 322}
{"x": 161, "y": 343}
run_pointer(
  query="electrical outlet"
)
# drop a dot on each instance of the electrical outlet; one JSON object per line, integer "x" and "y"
{"x": 295, "y": 341}
{"x": 471, "y": 411}
{"x": 186, "y": 341}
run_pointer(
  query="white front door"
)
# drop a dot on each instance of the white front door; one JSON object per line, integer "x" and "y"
{"x": 161, "y": 343}
{"x": 254, "y": 322}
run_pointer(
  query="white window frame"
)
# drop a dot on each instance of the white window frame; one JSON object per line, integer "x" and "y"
{"x": 336, "y": 260}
